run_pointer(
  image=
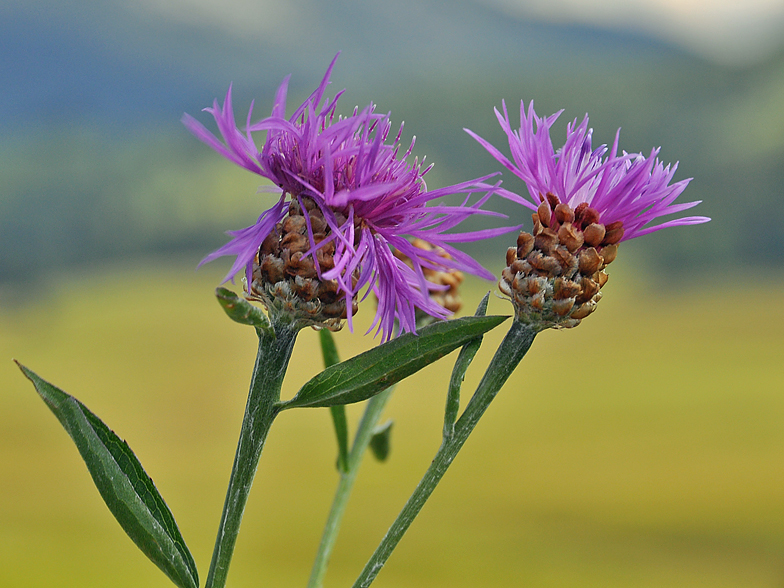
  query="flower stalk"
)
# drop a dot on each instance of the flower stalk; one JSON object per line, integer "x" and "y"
{"x": 346, "y": 484}
{"x": 508, "y": 355}
{"x": 262, "y": 407}
{"x": 348, "y": 462}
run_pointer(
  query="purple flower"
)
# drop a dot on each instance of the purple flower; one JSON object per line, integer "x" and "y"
{"x": 372, "y": 199}
{"x": 586, "y": 202}
{"x": 629, "y": 188}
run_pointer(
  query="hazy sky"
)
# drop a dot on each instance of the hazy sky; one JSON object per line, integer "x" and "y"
{"x": 729, "y": 31}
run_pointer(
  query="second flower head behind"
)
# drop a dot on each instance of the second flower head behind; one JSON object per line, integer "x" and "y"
{"x": 349, "y": 200}
{"x": 585, "y": 201}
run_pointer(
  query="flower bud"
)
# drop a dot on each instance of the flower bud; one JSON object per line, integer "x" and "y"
{"x": 447, "y": 281}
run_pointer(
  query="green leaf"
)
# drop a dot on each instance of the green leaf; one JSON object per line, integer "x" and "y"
{"x": 242, "y": 311}
{"x": 124, "y": 485}
{"x": 329, "y": 352}
{"x": 367, "y": 374}
{"x": 340, "y": 422}
{"x": 464, "y": 360}
{"x": 380, "y": 441}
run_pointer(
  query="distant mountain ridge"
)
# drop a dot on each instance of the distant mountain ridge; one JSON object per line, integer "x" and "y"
{"x": 96, "y": 165}
{"x": 116, "y": 61}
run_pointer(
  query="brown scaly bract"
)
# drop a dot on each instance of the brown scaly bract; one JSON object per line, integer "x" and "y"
{"x": 554, "y": 277}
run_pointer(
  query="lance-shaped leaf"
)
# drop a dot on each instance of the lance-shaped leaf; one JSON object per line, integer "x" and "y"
{"x": 464, "y": 359}
{"x": 124, "y": 485}
{"x": 242, "y": 311}
{"x": 329, "y": 352}
{"x": 368, "y": 373}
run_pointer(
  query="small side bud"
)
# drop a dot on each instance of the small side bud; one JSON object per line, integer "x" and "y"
{"x": 448, "y": 298}
{"x": 380, "y": 441}
{"x": 241, "y": 311}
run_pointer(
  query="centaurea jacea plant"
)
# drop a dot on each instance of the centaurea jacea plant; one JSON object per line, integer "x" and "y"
{"x": 354, "y": 218}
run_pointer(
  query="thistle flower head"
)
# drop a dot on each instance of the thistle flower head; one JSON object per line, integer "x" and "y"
{"x": 358, "y": 200}
{"x": 585, "y": 201}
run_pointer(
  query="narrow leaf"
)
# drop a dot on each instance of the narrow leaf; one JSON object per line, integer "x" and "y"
{"x": 367, "y": 374}
{"x": 125, "y": 487}
{"x": 339, "y": 420}
{"x": 329, "y": 352}
{"x": 242, "y": 311}
{"x": 380, "y": 441}
{"x": 464, "y": 360}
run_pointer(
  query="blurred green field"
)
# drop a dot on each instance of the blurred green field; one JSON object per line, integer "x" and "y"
{"x": 643, "y": 449}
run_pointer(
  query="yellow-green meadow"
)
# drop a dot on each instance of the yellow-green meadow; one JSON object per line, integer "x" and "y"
{"x": 644, "y": 448}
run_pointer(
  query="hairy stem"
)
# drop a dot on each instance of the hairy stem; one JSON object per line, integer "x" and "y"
{"x": 271, "y": 363}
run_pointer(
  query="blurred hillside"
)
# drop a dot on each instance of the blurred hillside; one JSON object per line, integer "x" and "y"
{"x": 97, "y": 167}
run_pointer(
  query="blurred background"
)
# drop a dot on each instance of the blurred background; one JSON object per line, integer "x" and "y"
{"x": 645, "y": 448}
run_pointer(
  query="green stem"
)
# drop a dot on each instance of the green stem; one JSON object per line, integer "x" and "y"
{"x": 511, "y": 351}
{"x": 364, "y": 432}
{"x": 271, "y": 363}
